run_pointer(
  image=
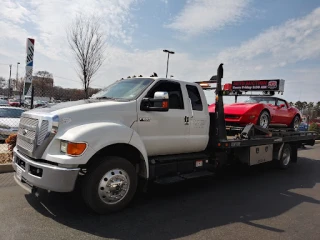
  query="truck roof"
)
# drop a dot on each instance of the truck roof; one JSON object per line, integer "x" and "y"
{"x": 167, "y": 79}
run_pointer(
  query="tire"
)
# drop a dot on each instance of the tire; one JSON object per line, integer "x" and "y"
{"x": 99, "y": 179}
{"x": 285, "y": 157}
{"x": 264, "y": 119}
{"x": 295, "y": 122}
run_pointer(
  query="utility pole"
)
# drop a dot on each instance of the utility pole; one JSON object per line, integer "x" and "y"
{"x": 9, "y": 82}
{"x": 169, "y": 52}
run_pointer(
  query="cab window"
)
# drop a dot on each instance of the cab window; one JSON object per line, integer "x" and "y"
{"x": 174, "y": 91}
{"x": 195, "y": 98}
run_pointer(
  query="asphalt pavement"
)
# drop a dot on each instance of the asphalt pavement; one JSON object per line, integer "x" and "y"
{"x": 260, "y": 203}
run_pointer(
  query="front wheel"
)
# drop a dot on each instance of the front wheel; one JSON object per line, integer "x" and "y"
{"x": 264, "y": 119}
{"x": 110, "y": 185}
{"x": 295, "y": 122}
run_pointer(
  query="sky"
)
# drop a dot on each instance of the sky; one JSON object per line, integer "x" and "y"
{"x": 274, "y": 39}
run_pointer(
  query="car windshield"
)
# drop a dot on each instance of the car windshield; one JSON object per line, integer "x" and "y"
{"x": 260, "y": 100}
{"x": 10, "y": 113}
{"x": 126, "y": 89}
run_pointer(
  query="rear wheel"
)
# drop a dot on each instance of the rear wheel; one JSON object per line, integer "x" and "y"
{"x": 264, "y": 119}
{"x": 110, "y": 185}
{"x": 295, "y": 122}
{"x": 285, "y": 158}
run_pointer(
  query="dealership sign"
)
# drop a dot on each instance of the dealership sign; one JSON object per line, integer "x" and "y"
{"x": 29, "y": 67}
{"x": 259, "y": 85}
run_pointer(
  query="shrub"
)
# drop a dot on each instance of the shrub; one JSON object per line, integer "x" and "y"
{"x": 314, "y": 127}
{"x": 11, "y": 141}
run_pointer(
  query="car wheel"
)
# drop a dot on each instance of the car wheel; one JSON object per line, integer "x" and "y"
{"x": 109, "y": 185}
{"x": 295, "y": 122}
{"x": 264, "y": 119}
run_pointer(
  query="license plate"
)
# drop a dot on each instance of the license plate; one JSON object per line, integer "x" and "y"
{"x": 19, "y": 173}
{"x": 199, "y": 163}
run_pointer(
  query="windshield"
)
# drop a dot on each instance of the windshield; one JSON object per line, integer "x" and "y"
{"x": 261, "y": 100}
{"x": 127, "y": 89}
{"x": 10, "y": 113}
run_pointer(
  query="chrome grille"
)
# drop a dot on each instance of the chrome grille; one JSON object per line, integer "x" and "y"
{"x": 25, "y": 145}
{"x": 27, "y": 133}
{"x": 30, "y": 134}
{"x": 43, "y": 131}
{"x": 34, "y": 134}
{"x": 29, "y": 121}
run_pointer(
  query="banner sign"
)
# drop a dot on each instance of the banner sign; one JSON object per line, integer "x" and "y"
{"x": 29, "y": 67}
{"x": 259, "y": 85}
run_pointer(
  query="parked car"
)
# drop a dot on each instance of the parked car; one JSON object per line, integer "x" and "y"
{"x": 263, "y": 111}
{"x": 4, "y": 102}
{"x": 303, "y": 127}
{"x": 14, "y": 103}
{"x": 9, "y": 121}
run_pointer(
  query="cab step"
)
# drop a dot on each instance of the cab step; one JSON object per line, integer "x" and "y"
{"x": 182, "y": 177}
{"x": 197, "y": 174}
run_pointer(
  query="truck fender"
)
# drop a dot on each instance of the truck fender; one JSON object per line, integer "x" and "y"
{"x": 277, "y": 151}
{"x": 93, "y": 133}
{"x": 96, "y": 135}
{"x": 136, "y": 142}
{"x": 111, "y": 133}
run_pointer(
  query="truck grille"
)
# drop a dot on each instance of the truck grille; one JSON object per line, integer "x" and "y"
{"x": 25, "y": 145}
{"x": 31, "y": 134}
{"x": 43, "y": 131}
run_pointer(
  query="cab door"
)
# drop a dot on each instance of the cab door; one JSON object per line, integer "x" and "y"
{"x": 165, "y": 133}
{"x": 199, "y": 119}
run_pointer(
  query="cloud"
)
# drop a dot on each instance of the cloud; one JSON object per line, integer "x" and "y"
{"x": 46, "y": 21}
{"x": 13, "y": 11}
{"x": 293, "y": 41}
{"x": 199, "y": 16}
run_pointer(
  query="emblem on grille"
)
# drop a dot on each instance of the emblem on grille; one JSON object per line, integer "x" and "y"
{"x": 25, "y": 131}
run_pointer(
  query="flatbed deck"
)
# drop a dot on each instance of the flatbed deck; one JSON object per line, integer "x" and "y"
{"x": 276, "y": 137}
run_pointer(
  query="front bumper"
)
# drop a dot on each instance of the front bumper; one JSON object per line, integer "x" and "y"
{"x": 43, "y": 175}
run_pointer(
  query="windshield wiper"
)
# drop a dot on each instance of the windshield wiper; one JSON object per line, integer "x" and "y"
{"x": 105, "y": 98}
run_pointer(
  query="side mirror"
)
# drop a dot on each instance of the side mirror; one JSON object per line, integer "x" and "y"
{"x": 159, "y": 103}
{"x": 282, "y": 105}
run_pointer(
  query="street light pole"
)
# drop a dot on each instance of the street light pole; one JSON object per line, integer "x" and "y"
{"x": 169, "y": 52}
{"x": 17, "y": 73}
{"x": 18, "y": 70}
{"x": 9, "y": 83}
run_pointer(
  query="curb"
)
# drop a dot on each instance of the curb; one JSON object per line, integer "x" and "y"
{"x": 6, "y": 168}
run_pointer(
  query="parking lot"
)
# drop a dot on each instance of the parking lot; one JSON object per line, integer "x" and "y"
{"x": 263, "y": 203}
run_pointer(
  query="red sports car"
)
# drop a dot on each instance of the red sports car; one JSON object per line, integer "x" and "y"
{"x": 263, "y": 111}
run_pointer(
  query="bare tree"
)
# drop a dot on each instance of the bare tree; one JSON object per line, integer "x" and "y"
{"x": 2, "y": 82}
{"x": 19, "y": 85}
{"x": 2, "y": 86}
{"x": 43, "y": 84}
{"x": 87, "y": 43}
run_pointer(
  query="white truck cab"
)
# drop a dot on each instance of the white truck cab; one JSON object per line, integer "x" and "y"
{"x": 110, "y": 137}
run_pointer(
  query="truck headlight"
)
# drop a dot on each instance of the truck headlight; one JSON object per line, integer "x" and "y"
{"x": 73, "y": 149}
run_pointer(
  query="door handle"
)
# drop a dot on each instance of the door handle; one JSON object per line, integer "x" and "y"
{"x": 186, "y": 120}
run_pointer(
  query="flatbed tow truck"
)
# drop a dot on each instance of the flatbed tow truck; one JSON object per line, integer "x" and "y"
{"x": 151, "y": 130}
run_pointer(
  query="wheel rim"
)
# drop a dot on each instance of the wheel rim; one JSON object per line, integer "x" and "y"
{"x": 296, "y": 123}
{"x": 264, "y": 120}
{"x": 286, "y": 156}
{"x": 114, "y": 186}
